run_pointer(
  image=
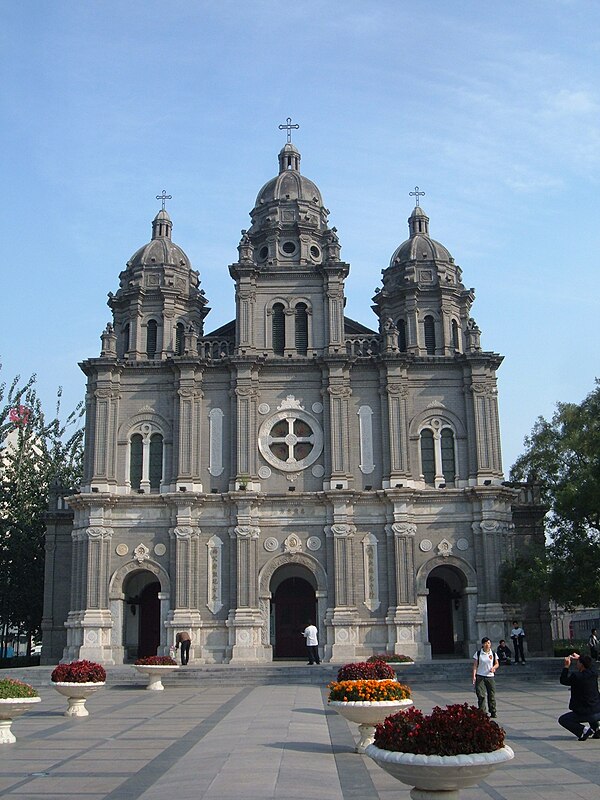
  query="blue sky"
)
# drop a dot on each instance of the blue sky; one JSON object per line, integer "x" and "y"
{"x": 492, "y": 109}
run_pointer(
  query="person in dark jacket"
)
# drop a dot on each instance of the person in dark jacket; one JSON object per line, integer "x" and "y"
{"x": 585, "y": 698}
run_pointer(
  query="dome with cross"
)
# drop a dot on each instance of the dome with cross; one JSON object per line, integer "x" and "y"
{"x": 160, "y": 250}
{"x": 419, "y": 246}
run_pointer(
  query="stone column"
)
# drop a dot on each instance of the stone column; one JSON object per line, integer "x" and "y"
{"x": 339, "y": 434}
{"x": 95, "y": 620}
{"x": 344, "y": 617}
{"x": 404, "y": 618}
{"x": 189, "y": 441}
{"x": 104, "y": 444}
{"x": 245, "y": 622}
{"x": 397, "y": 395}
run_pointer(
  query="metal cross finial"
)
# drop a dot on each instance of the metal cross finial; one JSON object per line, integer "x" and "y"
{"x": 288, "y": 127}
{"x": 164, "y": 196}
{"x": 416, "y": 194}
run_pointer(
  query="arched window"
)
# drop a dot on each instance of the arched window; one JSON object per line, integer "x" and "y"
{"x": 401, "y": 335}
{"x": 156, "y": 459}
{"x": 448, "y": 461}
{"x": 179, "y": 339}
{"x": 125, "y": 339}
{"x": 151, "y": 338}
{"x": 135, "y": 460}
{"x": 429, "y": 335}
{"x": 455, "y": 336}
{"x": 301, "y": 321}
{"x": 278, "y": 329}
{"x": 427, "y": 456}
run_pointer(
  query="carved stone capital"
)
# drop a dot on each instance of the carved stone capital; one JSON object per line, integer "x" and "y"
{"x": 97, "y": 533}
{"x": 183, "y": 532}
{"x": 247, "y": 531}
{"x": 490, "y": 526}
{"x": 342, "y": 530}
{"x": 397, "y": 390}
{"x": 403, "y": 529}
{"x": 339, "y": 391}
{"x": 245, "y": 391}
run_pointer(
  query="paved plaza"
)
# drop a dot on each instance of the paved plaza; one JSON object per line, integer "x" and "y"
{"x": 224, "y": 742}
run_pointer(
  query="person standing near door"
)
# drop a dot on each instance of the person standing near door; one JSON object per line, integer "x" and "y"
{"x": 185, "y": 640}
{"x": 310, "y": 633}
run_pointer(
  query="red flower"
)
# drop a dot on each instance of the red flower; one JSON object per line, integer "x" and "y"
{"x": 160, "y": 661}
{"x": 364, "y": 670}
{"x": 79, "y": 672}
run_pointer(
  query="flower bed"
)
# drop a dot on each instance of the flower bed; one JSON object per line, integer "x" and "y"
{"x": 454, "y": 730}
{"x": 392, "y": 658}
{"x": 155, "y": 661}
{"x": 79, "y": 672}
{"x": 367, "y": 691}
{"x": 11, "y": 688}
{"x": 365, "y": 671}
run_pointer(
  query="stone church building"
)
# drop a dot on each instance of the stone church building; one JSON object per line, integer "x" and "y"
{"x": 290, "y": 465}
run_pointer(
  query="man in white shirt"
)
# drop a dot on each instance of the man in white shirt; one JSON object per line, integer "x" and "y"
{"x": 312, "y": 643}
{"x": 517, "y": 635}
{"x": 485, "y": 664}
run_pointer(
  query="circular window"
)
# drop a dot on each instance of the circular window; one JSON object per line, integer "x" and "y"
{"x": 315, "y": 252}
{"x": 288, "y": 247}
{"x": 290, "y": 440}
{"x": 263, "y": 252}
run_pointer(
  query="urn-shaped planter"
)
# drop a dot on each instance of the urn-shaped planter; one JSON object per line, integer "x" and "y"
{"x": 155, "y": 668}
{"x": 442, "y": 753}
{"x": 10, "y": 708}
{"x": 367, "y": 703}
{"x": 438, "y": 777}
{"x": 367, "y": 715}
{"x": 77, "y": 681}
{"x": 77, "y": 694}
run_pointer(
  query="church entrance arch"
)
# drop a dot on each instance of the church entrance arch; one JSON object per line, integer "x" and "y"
{"x": 293, "y": 604}
{"x": 445, "y": 611}
{"x": 141, "y": 624}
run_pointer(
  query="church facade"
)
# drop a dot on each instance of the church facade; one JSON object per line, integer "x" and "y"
{"x": 292, "y": 465}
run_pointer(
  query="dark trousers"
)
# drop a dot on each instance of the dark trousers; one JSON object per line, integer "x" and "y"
{"x": 313, "y": 654}
{"x": 572, "y": 722}
{"x": 185, "y": 651}
{"x": 486, "y": 688}
{"x": 518, "y": 645}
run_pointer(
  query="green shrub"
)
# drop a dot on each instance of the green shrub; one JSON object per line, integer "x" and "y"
{"x": 565, "y": 647}
{"x": 9, "y": 687}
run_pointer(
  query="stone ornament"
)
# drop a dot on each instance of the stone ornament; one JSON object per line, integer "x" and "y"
{"x": 264, "y": 408}
{"x": 425, "y": 545}
{"x": 462, "y": 544}
{"x": 271, "y": 544}
{"x": 318, "y": 470}
{"x": 264, "y": 473}
{"x": 444, "y": 548}
{"x": 141, "y": 553}
{"x": 160, "y": 549}
{"x": 317, "y": 408}
{"x": 313, "y": 543}
{"x": 121, "y": 549}
{"x": 292, "y": 544}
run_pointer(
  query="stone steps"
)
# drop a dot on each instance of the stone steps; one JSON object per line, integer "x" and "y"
{"x": 299, "y": 673}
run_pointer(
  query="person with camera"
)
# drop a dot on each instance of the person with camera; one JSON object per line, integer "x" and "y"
{"x": 585, "y": 697}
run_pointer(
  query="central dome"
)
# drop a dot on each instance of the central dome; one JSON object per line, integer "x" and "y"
{"x": 290, "y": 184}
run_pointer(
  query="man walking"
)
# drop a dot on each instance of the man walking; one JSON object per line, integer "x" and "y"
{"x": 185, "y": 640}
{"x": 585, "y": 698}
{"x": 485, "y": 664}
{"x": 312, "y": 643}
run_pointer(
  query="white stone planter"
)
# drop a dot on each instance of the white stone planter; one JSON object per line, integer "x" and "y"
{"x": 155, "y": 674}
{"x": 77, "y": 694}
{"x": 367, "y": 714}
{"x": 438, "y": 777}
{"x": 11, "y": 707}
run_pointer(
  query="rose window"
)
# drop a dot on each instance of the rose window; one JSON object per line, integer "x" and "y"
{"x": 291, "y": 440}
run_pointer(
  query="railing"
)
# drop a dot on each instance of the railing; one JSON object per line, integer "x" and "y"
{"x": 215, "y": 349}
{"x": 363, "y": 346}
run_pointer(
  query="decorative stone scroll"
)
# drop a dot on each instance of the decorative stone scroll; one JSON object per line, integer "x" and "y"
{"x": 246, "y": 531}
{"x": 214, "y": 583}
{"x": 371, "y": 572}
{"x": 292, "y": 544}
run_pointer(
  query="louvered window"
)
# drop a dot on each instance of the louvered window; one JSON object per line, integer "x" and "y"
{"x": 448, "y": 460}
{"x": 125, "y": 340}
{"x": 301, "y": 320}
{"x": 455, "y": 336}
{"x": 151, "y": 338}
{"x": 135, "y": 460}
{"x": 156, "y": 460}
{"x": 429, "y": 336}
{"x": 179, "y": 339}
{"x": 278, "y": 329}
{"x": 427, "y": 456}
{"x": 402, "y": 335}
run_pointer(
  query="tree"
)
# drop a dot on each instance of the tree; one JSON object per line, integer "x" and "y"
{"x": 563, "y": 455}
{"x": 34, "y": 452}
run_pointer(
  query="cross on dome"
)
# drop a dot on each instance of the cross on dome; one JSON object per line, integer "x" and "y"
{"x": 164, "y": 196}
{"x": 288, "y": 127}
{"x": 416, "y": 194}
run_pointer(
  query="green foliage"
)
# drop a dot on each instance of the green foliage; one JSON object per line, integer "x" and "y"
{"x": 9, "y": 687}
{"x": 566, "y": 647}
{"x": 563, "y": 455}
{"x": 34, "y": 453}
{"x": 526, "y": 577}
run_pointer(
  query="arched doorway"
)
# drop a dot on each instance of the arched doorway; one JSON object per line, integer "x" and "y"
{"x": 445, "y": 612}
{"x": 293, "y": 604}
{"x": 141, "y": 625}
